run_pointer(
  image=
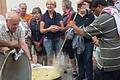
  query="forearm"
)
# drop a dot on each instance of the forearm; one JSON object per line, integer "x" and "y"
{"x": 26, "y": 50}
{"x": 95, "y": 41}
{"x": 45, "y": 30}
{"x": 5, "y": 43}
{"x": 78, "y": 30}
{"x": 62, "y": 29}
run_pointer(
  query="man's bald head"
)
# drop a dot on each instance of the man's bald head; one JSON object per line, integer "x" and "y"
{"x": 12, "y": 20}
{"x": 12, "y": 15}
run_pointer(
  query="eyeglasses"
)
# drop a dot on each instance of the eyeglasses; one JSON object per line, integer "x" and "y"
{"x": 80, "y": 4}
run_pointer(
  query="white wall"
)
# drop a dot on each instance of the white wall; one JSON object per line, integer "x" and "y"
{"x": 34, "y": 3}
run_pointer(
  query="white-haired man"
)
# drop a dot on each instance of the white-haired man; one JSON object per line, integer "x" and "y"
{"x": 11, "y": 35}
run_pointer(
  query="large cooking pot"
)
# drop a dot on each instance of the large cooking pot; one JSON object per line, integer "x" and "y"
{"x": 14, "y": 70}
{"x": 46, "y": 73}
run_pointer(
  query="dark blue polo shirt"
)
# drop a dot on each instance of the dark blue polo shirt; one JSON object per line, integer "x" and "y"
{"x": 52, "y": 21}
{"x": 86, "y": 20}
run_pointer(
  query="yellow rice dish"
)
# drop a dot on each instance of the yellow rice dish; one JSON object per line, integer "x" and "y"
{"x": 45, "y": 73}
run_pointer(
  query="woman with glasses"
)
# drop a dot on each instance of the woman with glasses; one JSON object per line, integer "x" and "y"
{"x": 84, "y": 17}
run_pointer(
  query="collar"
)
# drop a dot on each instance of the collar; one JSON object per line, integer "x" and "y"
{"x": 67, "y": 12}
{"x": 6, "y": 28}
{"x": 87, "y": 12}
{"x": 54, "y": 14}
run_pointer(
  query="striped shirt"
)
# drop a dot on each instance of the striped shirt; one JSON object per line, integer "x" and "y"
{"x": 104, "y": 27}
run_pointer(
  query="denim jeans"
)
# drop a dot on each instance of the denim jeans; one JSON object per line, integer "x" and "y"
{"x": 84, "y": 62}
{"x": 52, "y": 47}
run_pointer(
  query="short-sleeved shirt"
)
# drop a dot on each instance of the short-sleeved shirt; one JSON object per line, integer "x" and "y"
{"x": 84, "y": 21}
{"x": 6, "y": 35}
{"x": 52, "y": 21}
{"x": 104, "y": 27}
{"x": 27, "y": 17}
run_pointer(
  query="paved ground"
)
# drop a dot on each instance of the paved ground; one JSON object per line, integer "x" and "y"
{"x": 68, "y": 76}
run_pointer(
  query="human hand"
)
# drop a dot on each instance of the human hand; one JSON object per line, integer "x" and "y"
{"x": 71, "y": 24}
{"x": 34, "y": 59}
{"x": 37, "y": 44}
{"x": 95, "y": 41}
{"x": 54, "y": 28}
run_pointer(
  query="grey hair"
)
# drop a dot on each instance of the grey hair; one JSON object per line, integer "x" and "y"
{"x": 68, "y": 4}
{"x": 22, "y": 4}
{"x": 11, "y": 15}
{"x": 16, "y": 9}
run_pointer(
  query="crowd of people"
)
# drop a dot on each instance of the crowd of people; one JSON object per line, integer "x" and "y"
{"x": 95, "y": 24}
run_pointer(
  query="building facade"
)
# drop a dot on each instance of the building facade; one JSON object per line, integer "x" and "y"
{"x": 3, "y": 7}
